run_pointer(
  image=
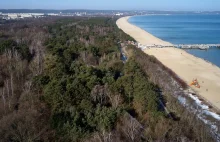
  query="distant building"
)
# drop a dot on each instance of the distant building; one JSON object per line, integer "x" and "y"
{"x": 9, "y": 16}
{"x": 37, "y": 14}
{"x": 119, "y": 14}
{"x": 52, "y": 14}
{"x": 80, "y": 13}
{"x": 25, "y": 15}
{"x": 13, "y": 16}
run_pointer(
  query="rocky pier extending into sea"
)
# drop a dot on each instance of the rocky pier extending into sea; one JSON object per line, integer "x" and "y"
{"x": 196, "y": 46}
{"x": 182, "y": 46}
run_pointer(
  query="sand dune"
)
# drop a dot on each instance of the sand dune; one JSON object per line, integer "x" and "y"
{"x": 185, "y": 65}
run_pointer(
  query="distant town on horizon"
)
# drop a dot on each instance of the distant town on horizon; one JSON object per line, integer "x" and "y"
{"x": 8, "y": 14}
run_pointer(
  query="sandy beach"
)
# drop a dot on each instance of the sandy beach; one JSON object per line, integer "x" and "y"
{"x": 185, "y": 65}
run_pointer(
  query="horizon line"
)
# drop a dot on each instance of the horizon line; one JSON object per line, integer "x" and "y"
{"x": 111, "y": 10}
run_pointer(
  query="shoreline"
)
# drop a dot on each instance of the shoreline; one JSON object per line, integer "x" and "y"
{"x": 184, "y": 64}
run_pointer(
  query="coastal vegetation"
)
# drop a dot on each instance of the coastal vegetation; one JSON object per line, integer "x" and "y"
{"x": 63, "y": 80}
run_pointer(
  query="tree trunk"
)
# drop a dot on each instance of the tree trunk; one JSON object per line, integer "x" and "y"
{"x": 3, "y": 97}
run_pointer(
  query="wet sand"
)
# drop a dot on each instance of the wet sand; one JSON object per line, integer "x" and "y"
{"x": 185, "y": 65}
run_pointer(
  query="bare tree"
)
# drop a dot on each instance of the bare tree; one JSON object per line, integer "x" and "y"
{"x": 115, "y": 100}
{"x": 99, "y": 93}
{"x": 104, "y": 136}
{"x": 3, "y": 97}
{"x": 131, "y": 127}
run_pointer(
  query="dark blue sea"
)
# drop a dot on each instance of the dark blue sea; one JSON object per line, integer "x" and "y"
{"x": 185, "y": 29}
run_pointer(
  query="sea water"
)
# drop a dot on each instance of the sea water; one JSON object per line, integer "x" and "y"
{"x": 185, "y": 29}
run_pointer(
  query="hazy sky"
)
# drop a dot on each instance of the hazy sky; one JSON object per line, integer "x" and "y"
{"x": 210, "y": 5}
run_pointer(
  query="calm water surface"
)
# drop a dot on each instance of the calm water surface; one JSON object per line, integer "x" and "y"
{"x": 185, "y": 29}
